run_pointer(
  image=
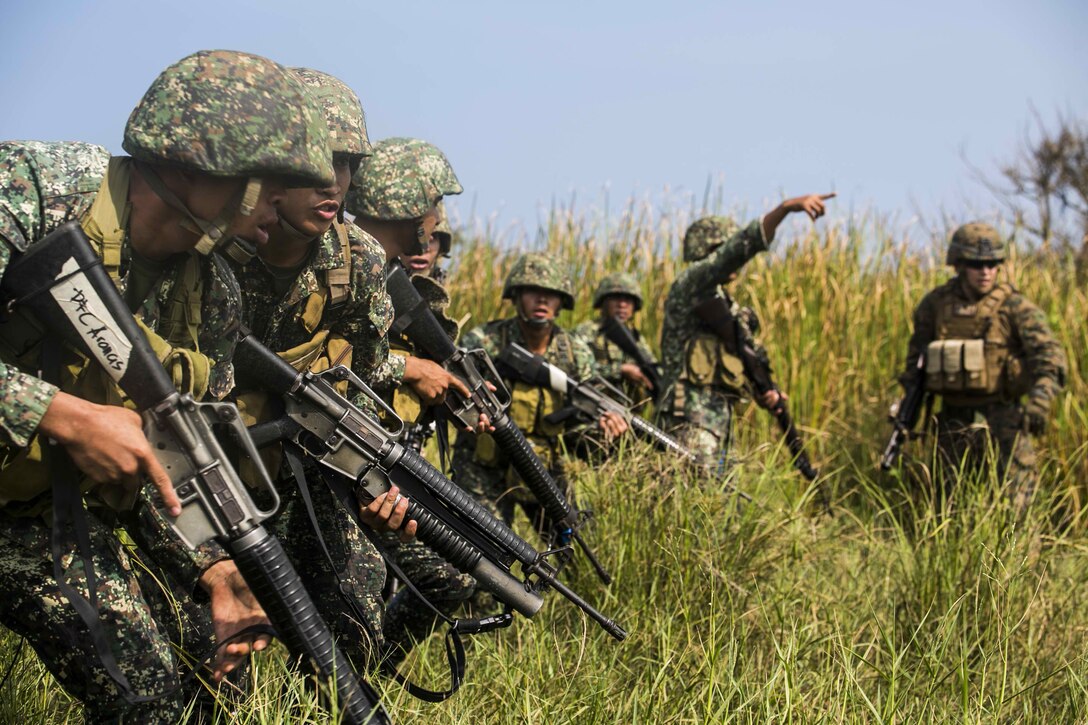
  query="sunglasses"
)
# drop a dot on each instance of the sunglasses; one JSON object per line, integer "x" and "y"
{"x": 981, "y": 263}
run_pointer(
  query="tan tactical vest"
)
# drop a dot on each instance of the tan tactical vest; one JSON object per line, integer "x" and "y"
{"x": 529, "y": 406}
{"x": 970, "y": 361}
{"x": 105, "y": 223}
{"x": 708, "y": 362}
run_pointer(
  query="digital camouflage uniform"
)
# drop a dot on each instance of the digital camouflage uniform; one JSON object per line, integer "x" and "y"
{"x": 701, "y": 380}
{"x": 334, "y": 312}
{"x": 610, "y": 358}
{"x": 43, "y": 185}
{"x": 402, "y": 181}
{"x": 64, "y": 180}
{"x": 480, "y": 466}
{"x": 981, "y": 401}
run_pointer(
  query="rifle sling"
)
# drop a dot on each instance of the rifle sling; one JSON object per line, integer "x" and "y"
{"x": 68, "y": 511}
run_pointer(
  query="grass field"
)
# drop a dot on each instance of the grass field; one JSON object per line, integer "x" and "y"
{"x": 880, "y": 609}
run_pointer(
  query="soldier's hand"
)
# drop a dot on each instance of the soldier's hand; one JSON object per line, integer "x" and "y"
{"x": 612, "y": 425}
{"x": 812, "y": 204}
{"x": 771, "y": 398}
{"x": 430, "y": 381}
{"x": 233, "y": 608}
{"x": 107, "y": 443}
{"x": 634, "y": 373}
{"x": 386, "y": 513}
{"x": 1036, "y": 413}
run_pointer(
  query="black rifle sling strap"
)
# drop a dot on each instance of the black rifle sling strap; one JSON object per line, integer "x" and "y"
{"x": 68, "y": 513}
{"x": 455, "y": 650}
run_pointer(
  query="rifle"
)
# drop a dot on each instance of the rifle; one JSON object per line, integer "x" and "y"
{"x": 905, "y": 414}
{"x": 63, "y": 283}
{"x": 715, "y": 313}
{"x": 622, "y": 337}
{"x": 354, "y": 447}
{"x": 418, "y": 323}
{"x": 589, "y": 400}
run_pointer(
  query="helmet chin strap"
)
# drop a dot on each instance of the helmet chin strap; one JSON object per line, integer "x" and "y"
{"x": 532, "y": 321}
{"x": 213, "y": 232}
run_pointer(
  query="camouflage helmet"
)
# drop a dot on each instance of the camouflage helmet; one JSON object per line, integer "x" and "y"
{"x": 618, "y": 283}
{"x": 537, "y": 270}
{"x": 706, "y": 235}
{"x": 442, "y": 231}
{"x": 226, "y": 113}
{"x": 343, "y": 112}
{"x": 402, "y": 180}
{"x": 976, "y": 241}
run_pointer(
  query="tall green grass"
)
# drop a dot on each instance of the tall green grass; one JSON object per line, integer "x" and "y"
{"x": 890, "y": 607}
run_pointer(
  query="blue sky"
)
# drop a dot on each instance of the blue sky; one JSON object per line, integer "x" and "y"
{"x": 534, "y": 102}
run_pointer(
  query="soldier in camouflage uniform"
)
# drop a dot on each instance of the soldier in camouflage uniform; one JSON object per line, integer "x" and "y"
{"x": 538, "y": 290}
{"x": 315, "y": 293}
{"x": 701, "y": 379}
{"x": 395, "y": 197}
{"x": 985, "y": 348}
{"x": 619, "y": 297}
{"x": 207, "y": 124}
{"x": 441, "y": 242}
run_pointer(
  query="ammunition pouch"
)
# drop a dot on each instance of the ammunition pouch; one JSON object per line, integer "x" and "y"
{"x": 708, "y": 362}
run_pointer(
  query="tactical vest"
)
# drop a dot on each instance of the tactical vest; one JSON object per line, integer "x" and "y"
{"x": 970, "y": 361}
{"x": 324, "y": 350}
{"x": 709, "y": 362}
{"x": 24, "y": 477}
{"x": 530, "y": 405}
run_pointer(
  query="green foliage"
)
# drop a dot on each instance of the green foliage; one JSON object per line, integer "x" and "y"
{"x": 890, "y": 608}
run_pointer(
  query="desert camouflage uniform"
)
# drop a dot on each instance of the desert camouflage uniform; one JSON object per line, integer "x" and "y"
{"x": 968, "y": 424}
{"x": 701, "y": 413}
{"x": 44, "y": 185}
{"x": 480, "y": 466}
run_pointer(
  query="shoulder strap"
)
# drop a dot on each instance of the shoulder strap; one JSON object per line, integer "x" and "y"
{"x": 338, "y": 279}
{"x": 106, "y": 221}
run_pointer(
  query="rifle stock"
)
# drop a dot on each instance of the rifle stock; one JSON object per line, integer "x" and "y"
{"x": 63, "y": 283}
{"x": 589, "y": 400}
{"x": 622, "y": 337}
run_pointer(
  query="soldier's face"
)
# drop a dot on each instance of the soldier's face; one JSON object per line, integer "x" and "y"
{"x": 622, "y": 307}
{"x": 421, "y": 263}
{"x": 260, "y": 224}
{"x": 539, "y": 304}
{"x": 312, "y": 211}
{"x": 412, "y": 237}
{"x": 979, "y": 276}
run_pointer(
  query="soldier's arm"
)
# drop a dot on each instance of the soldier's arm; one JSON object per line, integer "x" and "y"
{"x": 925, "y": 316}
{"x": 702, "y": 278}
{"x": 1043, "y": 354}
